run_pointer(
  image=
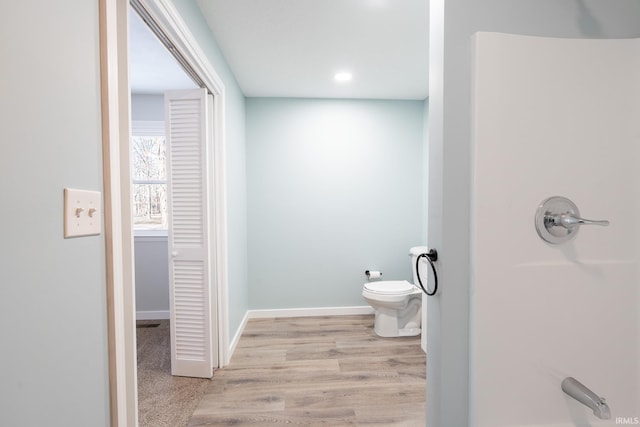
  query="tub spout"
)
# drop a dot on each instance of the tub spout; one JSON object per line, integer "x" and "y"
{"x": 582, "y": 394}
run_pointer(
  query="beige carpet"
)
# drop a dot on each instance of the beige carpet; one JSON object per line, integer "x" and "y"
{"x": 163, "y": 400}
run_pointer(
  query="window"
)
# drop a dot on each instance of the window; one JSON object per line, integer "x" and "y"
{"x": 149, "y": 177}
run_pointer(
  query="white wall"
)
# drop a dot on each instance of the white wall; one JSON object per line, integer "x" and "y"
{"x": 335, "y": 188}
{"x": 52, "y": 290}
{"x": 425, "y": 171}
{"x": 452, "y": 25}
{"x": 554, "y": 117}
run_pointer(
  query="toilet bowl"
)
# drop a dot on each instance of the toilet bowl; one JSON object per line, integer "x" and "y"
{"x": 397, "y": 306}
{"x": 397, "y": 303}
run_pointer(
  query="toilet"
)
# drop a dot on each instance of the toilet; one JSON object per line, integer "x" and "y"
{"x": 397, "y": 303}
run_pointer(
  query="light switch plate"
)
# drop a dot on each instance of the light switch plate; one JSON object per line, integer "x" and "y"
{"x": 82, "y": 213}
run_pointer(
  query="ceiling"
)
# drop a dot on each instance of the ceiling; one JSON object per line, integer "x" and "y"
{"x": 293, "y": 48}
{"x": 152, "y": 69}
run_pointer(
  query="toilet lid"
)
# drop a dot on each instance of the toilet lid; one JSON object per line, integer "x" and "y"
{"x": 395, "y": 287}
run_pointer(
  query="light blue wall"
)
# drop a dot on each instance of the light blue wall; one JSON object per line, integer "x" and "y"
{"x": 152, "y": 275}
{"x": 147, "y": 108}
{"x": 235, "y": 163}
{"x": 334, "y": 188}
{"x": 453, "y": 23}
{"x": 52, "y": 290}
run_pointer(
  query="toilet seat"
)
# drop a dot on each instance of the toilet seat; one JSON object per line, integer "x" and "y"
{"x": 390, "y": 287}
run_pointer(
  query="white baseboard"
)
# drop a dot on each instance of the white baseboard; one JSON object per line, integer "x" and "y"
{"x": 310, "y": 312}
{"x": 152, "y": 315}
{"x": 236, "y": 337}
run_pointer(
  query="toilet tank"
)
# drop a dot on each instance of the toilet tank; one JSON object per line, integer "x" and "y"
{"x": 415, "y": 252}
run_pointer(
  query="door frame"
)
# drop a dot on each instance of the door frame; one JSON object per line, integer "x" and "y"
{"x": 115, "y": 96}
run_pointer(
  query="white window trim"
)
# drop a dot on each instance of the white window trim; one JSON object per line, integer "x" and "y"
{"x": 148, "y": 128}
{"x": 141, "y": 232}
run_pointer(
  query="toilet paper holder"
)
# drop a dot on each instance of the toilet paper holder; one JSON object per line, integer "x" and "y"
{"x": 372, "y": 274}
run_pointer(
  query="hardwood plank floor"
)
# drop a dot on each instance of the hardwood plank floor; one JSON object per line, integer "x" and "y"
{"x": 317, "y": 371}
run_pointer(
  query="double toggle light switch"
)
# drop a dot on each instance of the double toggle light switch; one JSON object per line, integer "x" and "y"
{"x": 81, "y": 213}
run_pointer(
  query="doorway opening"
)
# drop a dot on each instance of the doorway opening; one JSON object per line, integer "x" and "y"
{"x": 166, "y": 23}
{"x": 162, "y": 398}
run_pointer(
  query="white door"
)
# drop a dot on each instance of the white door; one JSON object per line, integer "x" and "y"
{"x": 189, "y": 121}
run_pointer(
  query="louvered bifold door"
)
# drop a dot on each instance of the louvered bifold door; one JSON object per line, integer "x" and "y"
{"x": 186, "y": 114}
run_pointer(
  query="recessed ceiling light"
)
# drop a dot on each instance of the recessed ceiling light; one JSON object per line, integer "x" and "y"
{"x": 342, "y": 77}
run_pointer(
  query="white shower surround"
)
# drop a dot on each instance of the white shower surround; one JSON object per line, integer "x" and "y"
{"x": 554, "y": 117}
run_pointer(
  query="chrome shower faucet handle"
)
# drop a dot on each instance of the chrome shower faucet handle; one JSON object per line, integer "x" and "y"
{"x": 558, "y": 220}
{"x": 567, "y": 220}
